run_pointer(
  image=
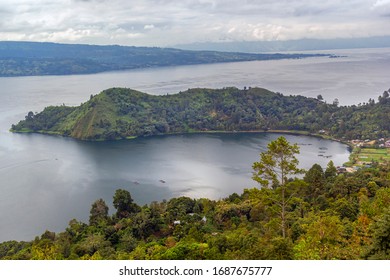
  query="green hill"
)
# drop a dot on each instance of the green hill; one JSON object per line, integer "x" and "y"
{"x": 120, "y": 113}
{"x": 35, "y": 58}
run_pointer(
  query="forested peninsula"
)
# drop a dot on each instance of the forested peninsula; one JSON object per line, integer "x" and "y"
{"x": 121, "y": 113}
{"x": 38, "y": 59}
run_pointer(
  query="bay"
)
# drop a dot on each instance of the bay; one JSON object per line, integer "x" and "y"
{"x": 46, "y": 181}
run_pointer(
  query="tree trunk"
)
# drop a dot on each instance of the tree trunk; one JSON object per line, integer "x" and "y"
{"x": 283, "y": 214}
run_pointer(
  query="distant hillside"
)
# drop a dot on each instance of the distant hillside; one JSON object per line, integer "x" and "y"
{"x": 32, "y": 58}
{"x": 291, "y": 45}
{"x": 120, "y": 113}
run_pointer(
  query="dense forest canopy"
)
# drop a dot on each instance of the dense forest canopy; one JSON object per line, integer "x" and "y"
{"x": 323, "y": 215}
{"x": 34, "y": 58}
{"x": 120, "y": 113}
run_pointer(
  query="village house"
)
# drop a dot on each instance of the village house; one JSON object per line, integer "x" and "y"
{"x": 341, "y": 169}
{"x": 382, "y": 143}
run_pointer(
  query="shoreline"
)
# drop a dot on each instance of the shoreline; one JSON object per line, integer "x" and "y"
{"x": 276, "y": 131}
{"x": 279, "y": 131}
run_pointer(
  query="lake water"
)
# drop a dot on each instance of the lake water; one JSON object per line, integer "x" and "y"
{"x": 45, "y": 181}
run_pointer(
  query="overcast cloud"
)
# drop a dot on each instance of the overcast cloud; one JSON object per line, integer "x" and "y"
{"x": 163, "y": 22}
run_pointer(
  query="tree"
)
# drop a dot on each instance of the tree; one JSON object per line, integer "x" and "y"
{"x": 29, "y": 116}
{"x": 330, "y": 171}
{"x": 320, "y": 98}
{"x": 145, "y": 223}
{"x": 179, "y": 207}
{"x": 322, "y": 239}
{"x": 380, "y": 249}
{"x": 123, "y": 203}
{"x": 346, "y": 208}
{"x": 279, "y": 249}
{"x": 275, "y": 167}
{"x": 99, "y": 212}
{"x": 316, "y": 181}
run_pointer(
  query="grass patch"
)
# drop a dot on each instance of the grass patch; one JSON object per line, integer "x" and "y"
{"x": 367, "y": 155}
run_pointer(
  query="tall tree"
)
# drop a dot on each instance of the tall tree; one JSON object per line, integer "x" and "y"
{"x": 380, "y": 248}
{"x": 316, "y": 181}
{"x": 123, "y": 203}
{"x": 275, "y": 167}
{"x": 330, "y": 171}
{"x": 99, "y": 212}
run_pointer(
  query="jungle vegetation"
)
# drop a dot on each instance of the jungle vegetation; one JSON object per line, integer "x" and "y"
{"x": 120, "y": 113}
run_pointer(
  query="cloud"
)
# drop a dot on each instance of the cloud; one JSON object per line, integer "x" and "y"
{"x": 165, "y": 22}
{"x": 382, "y": 7}
{"x": 149, "y": 26}
{"x": 381, "y": 3}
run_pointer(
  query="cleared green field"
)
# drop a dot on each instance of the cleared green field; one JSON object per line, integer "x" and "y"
{"x": 371, "y": 154}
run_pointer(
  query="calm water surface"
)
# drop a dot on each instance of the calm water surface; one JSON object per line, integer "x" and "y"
{"x": 46, "y": 181}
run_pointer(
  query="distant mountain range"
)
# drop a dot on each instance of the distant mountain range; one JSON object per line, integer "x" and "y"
{"x": 34, "y": 58}
{"x": 291, "y": 45}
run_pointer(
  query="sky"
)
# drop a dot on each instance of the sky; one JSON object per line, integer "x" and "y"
{"x": 165, "y": 23}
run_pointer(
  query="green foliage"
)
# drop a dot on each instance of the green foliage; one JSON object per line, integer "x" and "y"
{"x": 98, "y": 213}
{"x": 346, "y": 208}
{"x": 14, "y": 250}
{"x": 322, "y": 238}
{"x": 330, "y": 171}
{"x": 380, "y": 249}
{"x": 186, "y": 251}
{"x": 123, "y": 203}
{"x": 178, "y": 207}
{"x": 279, "y": 249}
{"x": 275, "y": 166}
{"x": 119, "y": 113}
{"x": 277, "y": 163}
